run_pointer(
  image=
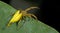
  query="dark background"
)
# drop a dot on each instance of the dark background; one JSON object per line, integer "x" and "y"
{"x": 49, "y": 12}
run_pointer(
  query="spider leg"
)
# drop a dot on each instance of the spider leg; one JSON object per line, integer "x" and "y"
{"x": 18, "y": 24}
{"x": 29, "y": 15}
{"x": 32, "y": 15}
{"x": 30, "y": 8}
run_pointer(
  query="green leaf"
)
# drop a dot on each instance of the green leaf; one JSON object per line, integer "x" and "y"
{"x": 27, "y": 25}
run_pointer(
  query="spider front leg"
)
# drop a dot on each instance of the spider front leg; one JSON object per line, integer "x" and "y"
{"x": 32, "y": 15}
{"x": 30, "y": 8}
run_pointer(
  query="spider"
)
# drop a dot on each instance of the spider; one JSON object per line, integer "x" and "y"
{"x": 21, "y": 13}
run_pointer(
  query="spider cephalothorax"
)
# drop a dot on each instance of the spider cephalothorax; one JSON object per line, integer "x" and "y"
{"x": 21, "y": 13}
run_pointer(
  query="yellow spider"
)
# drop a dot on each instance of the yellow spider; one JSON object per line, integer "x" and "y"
{"x": 21, "y": 13}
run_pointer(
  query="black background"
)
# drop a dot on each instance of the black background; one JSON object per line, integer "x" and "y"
{"x": 49, "y": 12}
